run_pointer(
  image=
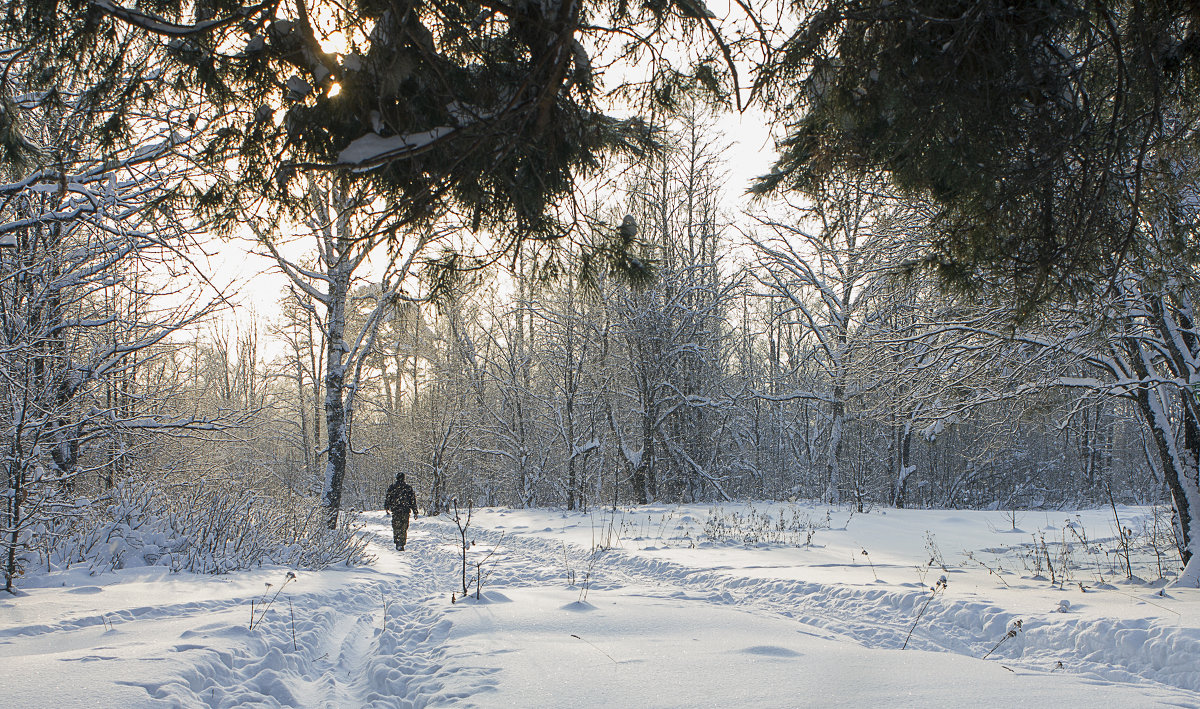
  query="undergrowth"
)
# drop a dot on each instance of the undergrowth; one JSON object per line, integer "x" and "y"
{"x": 207, "y": 529}
{"x": 792, "y": 527}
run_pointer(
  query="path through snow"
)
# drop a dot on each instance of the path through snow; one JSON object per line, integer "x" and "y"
{"x": 653, "y": 629}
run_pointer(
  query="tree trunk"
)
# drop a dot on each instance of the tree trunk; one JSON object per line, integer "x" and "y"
{"x": 905, "y": 468}
{"x": 13, "y": 501}
{"x": 337, "y": 424}
{"x": 1178, "y": 458}
{"x": 306, "y": 449}
{"x": 833, "y": 467}
{"x": 644, "y": 477}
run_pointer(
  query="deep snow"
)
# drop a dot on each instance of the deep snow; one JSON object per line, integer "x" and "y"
{"x": 634, "y": 608}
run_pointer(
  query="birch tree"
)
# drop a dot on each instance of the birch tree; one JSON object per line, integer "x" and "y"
{"x": 346, "y": 227}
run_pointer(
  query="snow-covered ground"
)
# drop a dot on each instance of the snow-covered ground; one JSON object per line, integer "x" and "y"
{"x": 688, "y": 606}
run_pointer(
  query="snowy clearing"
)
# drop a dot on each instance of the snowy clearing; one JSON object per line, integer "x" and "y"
{"x": 652, "y": 606}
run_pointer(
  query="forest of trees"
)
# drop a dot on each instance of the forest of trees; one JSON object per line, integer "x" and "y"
{"x": 781, "y": 353}
{"x": 521, "y": 300}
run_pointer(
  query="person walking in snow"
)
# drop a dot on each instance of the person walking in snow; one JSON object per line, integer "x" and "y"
{"x": 399, "y": 501}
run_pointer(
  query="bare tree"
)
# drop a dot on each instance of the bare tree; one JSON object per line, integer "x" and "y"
{"x": 82, "y": 233}
{"x": 826, "y": 277}
{"x": 347, "y": 227}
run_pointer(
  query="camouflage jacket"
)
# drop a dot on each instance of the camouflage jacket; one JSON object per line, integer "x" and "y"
{"x": 400, "y": 499}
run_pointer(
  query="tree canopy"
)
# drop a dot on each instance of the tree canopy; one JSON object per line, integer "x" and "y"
{"x": 487, "y": 107}
{"x": 1047, "y": 134}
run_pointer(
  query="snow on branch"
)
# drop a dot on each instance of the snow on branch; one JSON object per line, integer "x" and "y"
{"x": 163, "y": 26}
{"x": 373, "y": 150}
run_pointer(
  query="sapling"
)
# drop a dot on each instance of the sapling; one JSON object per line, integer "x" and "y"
{"x": 935, "y": 590}
{"x": 480, "y": 575}
{"x": 1162, "y": 539}
{"x": 464, "y": 524}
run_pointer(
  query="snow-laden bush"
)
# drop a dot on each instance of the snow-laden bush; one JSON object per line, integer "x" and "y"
{"x": 202, "y": 528}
